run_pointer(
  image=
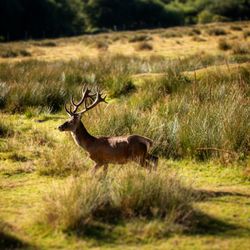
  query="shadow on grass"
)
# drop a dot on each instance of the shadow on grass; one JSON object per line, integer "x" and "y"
{"x": 209, "y": 194}
{"x": 204, "y": 224}
{"x": 197, "y": 223}
{"x": 103, "y": 233}
{"x": 9, "y": 241}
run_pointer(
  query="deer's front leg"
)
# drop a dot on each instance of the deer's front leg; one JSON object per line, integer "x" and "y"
{"x": 105, "y": 169}
{"x": 96, "y": 167}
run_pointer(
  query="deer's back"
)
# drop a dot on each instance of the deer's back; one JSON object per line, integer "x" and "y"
{"x": 120, "y": 149}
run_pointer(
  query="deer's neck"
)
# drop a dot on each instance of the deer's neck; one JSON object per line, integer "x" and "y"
{"x": 82, "y": 137}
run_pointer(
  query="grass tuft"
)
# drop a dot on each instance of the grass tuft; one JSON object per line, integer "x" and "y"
{"x": 224, "y": 45}
{"x": 143, "y": 46}
{"x": 129, "y": 193}
{"x": 140, "y": 38}
{"x": 217, "y": 32}
{"x": 240, "y": 48}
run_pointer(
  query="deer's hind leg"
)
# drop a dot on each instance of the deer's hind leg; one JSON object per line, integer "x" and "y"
{"x": 152, "y": 159}
{"x": 144, "y": 161}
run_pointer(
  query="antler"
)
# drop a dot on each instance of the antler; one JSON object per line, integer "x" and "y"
{"x": 86, "y": 93}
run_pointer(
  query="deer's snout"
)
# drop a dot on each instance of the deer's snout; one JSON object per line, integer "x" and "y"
{"x": 61, "y": 128}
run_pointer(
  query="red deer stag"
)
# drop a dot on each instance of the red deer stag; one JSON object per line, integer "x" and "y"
{"x": 105, "y": 150}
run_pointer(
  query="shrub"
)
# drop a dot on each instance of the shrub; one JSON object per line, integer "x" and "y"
{"x": 135, "y": 193}
{"x": 235, "y": 28}
{"x": 205, "y": 17}
{"x": 144, "y": 46}
{"x": 46, "y": 44}
{"x": 216, "y": 32}
{"x": 72, "y": 203}
{"x": 140, "y": 38}
{"x": 240, "y": 48}
{"x": 6, "y": 128}
{"x": 126, "y": 194}
{"x": 246, "y": 34}
{"x": 11, "y": 53}
{"x": 119, "y": 86}
{"x": 171, "y": 34}
{"x": 194, "y": 32}
{"x": 24, "y": 53}
{"x": 102, "y": 45}
{"x": 199, "y": 39}
{"x": 224, "y": 45}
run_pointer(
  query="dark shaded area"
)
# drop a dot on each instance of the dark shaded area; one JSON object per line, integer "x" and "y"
{"x": 207, "y": 194}
{"x": 195, "y": 223}
{"x": 11, "y": 242}
{"x": 25, "y": 19}
{"x": 103, "y": 233}
{"x": 198, "y": 223}
{"x": 204, "y": 224}
{"x": 8, "y": 241}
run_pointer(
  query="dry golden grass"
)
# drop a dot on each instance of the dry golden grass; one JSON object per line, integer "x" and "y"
{"x": 180, "y": 43}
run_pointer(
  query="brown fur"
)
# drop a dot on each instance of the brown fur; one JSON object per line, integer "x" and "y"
{"x": 105, "y": 150}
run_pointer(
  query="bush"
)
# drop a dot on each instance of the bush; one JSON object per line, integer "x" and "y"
{"x": 46, "y": 44}
{"x": 246, "y": 34}
{"x": 171, "y": 34}
{"x": 205, "y": 17}
{"x": 199, "y": 39}
{"x": 144, "y": 46}
{"x": 140, "y": 38}
{"x": 6, "y": 128}
{"x": 194, "y": 32}
{"x": 216, "y": 32}
{"x": 224, "y": 45}
{"x": 72, "y": 203}
{"x": 126, "y": 194}
{"x": 102, "y": 45}
{"x": 235, "y": 28}
{"x": 240, "y": 48}
{"x": 12, "y": 53}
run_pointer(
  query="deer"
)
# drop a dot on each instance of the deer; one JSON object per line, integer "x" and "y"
{"x": 105, "y": 150}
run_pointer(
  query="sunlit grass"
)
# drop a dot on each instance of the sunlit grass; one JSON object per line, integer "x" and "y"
{"x": 194, "y": 106}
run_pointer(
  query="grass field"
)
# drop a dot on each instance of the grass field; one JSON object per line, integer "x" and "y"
{"x": 186, "y": 88}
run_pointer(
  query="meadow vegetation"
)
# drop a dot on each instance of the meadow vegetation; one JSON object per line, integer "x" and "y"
{"x": 194, "y": 106}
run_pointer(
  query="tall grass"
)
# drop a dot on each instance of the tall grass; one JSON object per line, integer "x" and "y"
{"x": 6, "y": 128}
{"x": 34, "y": 83}
{"x": 203, "y": 118}
{"x": 122, "y": 195}
{"x": 62, "y": 160}
{"x": 186, "y": 117}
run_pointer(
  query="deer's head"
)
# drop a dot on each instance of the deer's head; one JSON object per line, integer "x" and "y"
{"x": 89, "y": 99}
